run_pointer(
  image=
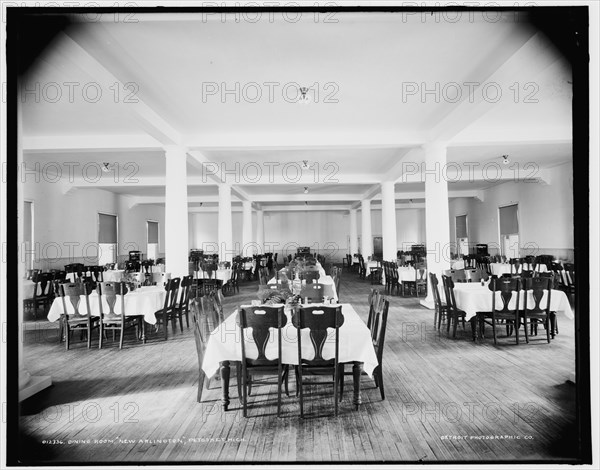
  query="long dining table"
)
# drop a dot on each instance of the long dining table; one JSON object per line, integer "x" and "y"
{"x": 143, "y": 301}
{"x": 355, "y": 346}
{"x": 472, "y": 297}
{"x": 328, "y": 286}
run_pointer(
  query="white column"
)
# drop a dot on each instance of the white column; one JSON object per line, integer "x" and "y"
{"x": 225, "y": 232}
{"x": 353, "y": 232}
{"x": 28, "y": 385}
{"x": 388, "y": 220}
{"x": 437, "y": 214}
{"x": 366, "y": 237}
{"x": 247, "y": 229}
{"x": 176, "y": 212}
{"x": 260, "y": 230}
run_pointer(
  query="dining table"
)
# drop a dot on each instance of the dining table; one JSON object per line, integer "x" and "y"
{"x": 329, "y": 289}
{"x": 472, "y": 297}
{"x": 498, "y": 269}
{"x": 28, "y": 288}
{"x": 144, "y": 301}
{"x": 221, "y": 274}
{"x": 405, "y": 274}
{"x": 355, "y": 346}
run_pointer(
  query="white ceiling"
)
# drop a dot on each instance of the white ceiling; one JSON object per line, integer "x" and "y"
{"x": 363, "y": 63}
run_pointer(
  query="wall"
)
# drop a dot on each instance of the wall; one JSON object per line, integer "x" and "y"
{"x": 66, "y": 225}
{"x": 545, "y": 214}
{"x": 410, "y": 226}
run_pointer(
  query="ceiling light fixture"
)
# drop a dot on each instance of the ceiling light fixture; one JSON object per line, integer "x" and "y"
{"x": 306, "y": 203}
{"x": 305, "y": 189}
{"x": 305, "y": 165}
{"x": 506, "y": 161}
{"x": 106, "y": 167}
{"x": 304, "y": 97}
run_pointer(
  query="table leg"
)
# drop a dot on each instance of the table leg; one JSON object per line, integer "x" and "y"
{"x": 225, "y": 384}
{"x": 356, "y": 373}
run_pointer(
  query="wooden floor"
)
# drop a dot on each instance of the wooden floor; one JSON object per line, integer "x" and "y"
{"x": 446, "y": 400}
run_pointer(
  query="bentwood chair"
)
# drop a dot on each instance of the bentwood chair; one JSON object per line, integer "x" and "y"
{"x": 317, "y": 319}
{"x": 309, "y": 275}
{"x": 534, "y": 312}
{"x": 506, "y": 310}
{"x": 515, "y": 266}
{"x": 75, "y": 318}
{"x": 109, "y": 293}
{"x": 169, "y": 311}
{"x": 375, "y": 298}
{"x": 378, "y": 329}
{"x": 76, "y": 268}
{"x": 261, "y": 319}
{"x": 441, "y": 309}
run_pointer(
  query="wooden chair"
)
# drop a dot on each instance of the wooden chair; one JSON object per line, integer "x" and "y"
{"x": 457, "y": 275}
{"x": 182, "y": 308}
{"x": 533, "y": 313}
{"x": 169, "y": 311}
{"x": 206, "y": 286}
{"x": 475, "y": 275}
{"x": 394, "y": 278}
{"x": 312, "y": 293}
{"x": 263, "y": 276}
{"x": 375, "y": 273}
{"x": 337, "y": 281}
{"x": 96, "y": 272}
{"x": 569, "y": 278}
{"x": 201, "y": 336}
{"x": 441, "y": 309}
{"x": 454, "y": 314}
{"x": 420, "y": 282}
{"x": 515, "y": 266}
{"x": 107, "y": 293}
{"x": 77, "y": 319}
{"x": 375, "y": 298}
{"x": 77, "y": 268}
{"x": 261, "y": 319}
{"x": 378, "y": 330}
{"x": 362, "y": 270}
{"x": 42, "y": 292}
{"x": 508, "y": 288}
{"x": 309, "y": 275}
{"x": 317, "y": 320}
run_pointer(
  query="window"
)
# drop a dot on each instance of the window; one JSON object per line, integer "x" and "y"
{"x": 28, "y": 234}
{"x": 462, "y": 237}
{"x": 107, "y": 238}
{"x": 508, "y": 221}
{"x": 152, "y": 236}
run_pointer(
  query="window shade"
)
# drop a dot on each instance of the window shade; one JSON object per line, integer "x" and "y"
{"x": 27, "y": 221}
{"x": 508, "y": 220}
{"x": 152, "y": 232}
{"x": 461, "y": 226}
{"x": 107, "y": 228}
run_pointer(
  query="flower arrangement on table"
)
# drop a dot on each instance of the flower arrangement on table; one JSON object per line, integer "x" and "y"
{"x": 275, "y": 296}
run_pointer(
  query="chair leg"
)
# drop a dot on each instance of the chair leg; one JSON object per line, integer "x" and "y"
{"x": 244, "y": 396}
{"x": 285, "y": 379}
{"x": 279, "y": 377}
{"x": 494, "y": 330}
{"x": 454, "y": 327}
{"x": 100, "y": 334}
{"x": 301, "y": 386}
{"x": 548, "y": 328}
{"x": 341, "y": 379}
{"x": 89, "y": 333}
{"x": 380, "y": 381}
{"x": 67, "y": 335}
{"x": 335, "y": 389}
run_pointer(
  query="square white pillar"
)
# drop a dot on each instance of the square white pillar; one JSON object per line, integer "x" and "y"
{"x": 437, "y": 214}
{"x": 225, "y": 229}
{"x": 367, "y": 235}
{"x": 388, "y": 220}
{"x": 176, "y": 211}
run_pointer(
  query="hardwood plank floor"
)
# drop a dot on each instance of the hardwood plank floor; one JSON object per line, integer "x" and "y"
{"x": 446, "y": 400}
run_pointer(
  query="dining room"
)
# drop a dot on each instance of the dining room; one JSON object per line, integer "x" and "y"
{"x": 299, "y": 236}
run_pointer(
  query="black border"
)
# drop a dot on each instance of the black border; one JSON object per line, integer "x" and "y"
{"x": 574, "y": 39}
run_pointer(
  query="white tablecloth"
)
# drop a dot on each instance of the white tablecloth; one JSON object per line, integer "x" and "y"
{"x": 143, "y": 301}
{"x": 327, "y": 281}
{"x": 472, "y": 297}
{"x": 354, "y": 343}
{"x": 405, "y": 273}
{"x": 499, "y": 269}
{"x": 457, "y": 264}
{"x": 222, "y": 274}
{"x": 114, "y": 275}
{"x": 28, "y": 287}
